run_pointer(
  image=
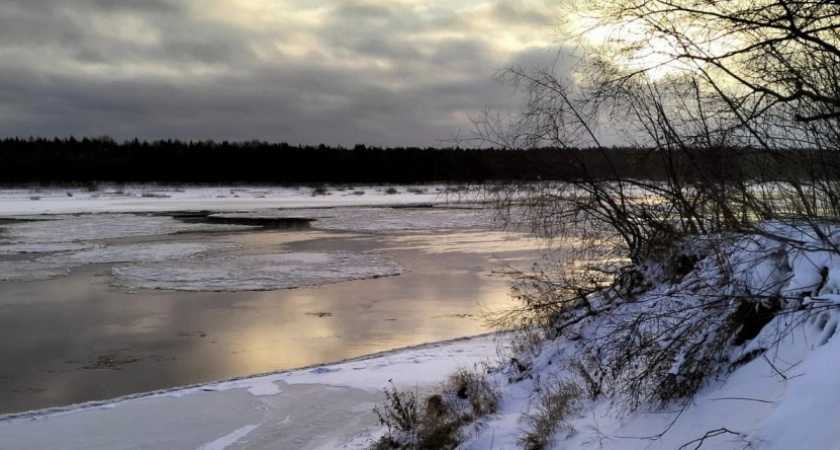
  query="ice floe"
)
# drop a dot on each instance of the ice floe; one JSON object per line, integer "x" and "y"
{"x": 59, "y": 265}
{"x": 31, "y": 270}
{"x": 380, "y": 219}
{"x": 138, "y": 253}
{"x": 255, "y": 272}
{"x": 100, "y": 226}
{"x": 49, "y": 247}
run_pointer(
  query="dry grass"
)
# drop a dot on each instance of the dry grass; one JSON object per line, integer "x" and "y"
{"x": 557, "y": 404}
{"x": 438, "y": 422}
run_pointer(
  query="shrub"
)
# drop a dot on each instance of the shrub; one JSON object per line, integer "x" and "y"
{"x": 556, "y": 405}
{"x": 436, "y": 423}
{"x": 319, "y": 190}
{"x": 399, "y": 413}
{"x": 474, "y": 388}
{"x": 391, "y": 191}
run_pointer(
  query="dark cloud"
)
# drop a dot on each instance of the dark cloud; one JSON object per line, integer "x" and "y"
{"x": 50, "y": 6}
{"x": 363, "y": 12}
{"x": 510, "y": 12}
{"x": 156, "y": 6}
{"x": 380, "y": 72}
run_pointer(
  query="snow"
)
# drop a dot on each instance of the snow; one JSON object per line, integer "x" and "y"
{"x": 226, "y": 441}
{"x": 309, "y": 409}
{"x": 146, "y": 198}
{"x": 784, "y": 399}
{"x": 805, "y": 413}
{"x": 255, "y": 272}
{"x": 258, "y": 387}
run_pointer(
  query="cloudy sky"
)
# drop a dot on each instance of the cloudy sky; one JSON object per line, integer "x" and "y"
{"x": 382, "y": 72}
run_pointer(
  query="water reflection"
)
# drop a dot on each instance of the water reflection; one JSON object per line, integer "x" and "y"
{"x": 77, "y": 339}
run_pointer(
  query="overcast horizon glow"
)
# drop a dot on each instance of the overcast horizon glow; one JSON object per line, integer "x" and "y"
{"x": 380, "y": 72}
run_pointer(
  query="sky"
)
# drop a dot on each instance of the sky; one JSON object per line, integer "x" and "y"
{"x": 339, "y": 72}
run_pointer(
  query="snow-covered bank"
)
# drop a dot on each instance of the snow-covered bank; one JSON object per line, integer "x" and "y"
{"x": 151, "y": 198}
{"x": 320, "y": 407}
{"x": 787, "y": 401}
{"x": 773, "y": 390}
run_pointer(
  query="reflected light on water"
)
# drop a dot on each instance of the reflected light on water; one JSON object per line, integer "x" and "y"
{"x": 77, "y": 339}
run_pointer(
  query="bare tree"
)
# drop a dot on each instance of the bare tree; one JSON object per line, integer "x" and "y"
{"x": 738, "y": 104}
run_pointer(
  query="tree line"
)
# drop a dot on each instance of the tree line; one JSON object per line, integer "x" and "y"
{"x": 103, "y": 159}
{"x": 70, "y": 160}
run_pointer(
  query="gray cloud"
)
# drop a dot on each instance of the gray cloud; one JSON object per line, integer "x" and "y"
{"x": 379, "y": 72}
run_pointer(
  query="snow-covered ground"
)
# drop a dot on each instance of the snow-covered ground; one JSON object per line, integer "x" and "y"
{"x": 146, "y": 198}
{"x": 784, "y": 396}
{"x": 786, "y": 401}
{"x": 319, "y": 408}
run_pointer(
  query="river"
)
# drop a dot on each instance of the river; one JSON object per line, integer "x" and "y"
{"x": 82, "y": 337}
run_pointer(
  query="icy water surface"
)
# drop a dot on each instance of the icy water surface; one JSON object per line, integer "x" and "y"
{"x": 87, "y": 337}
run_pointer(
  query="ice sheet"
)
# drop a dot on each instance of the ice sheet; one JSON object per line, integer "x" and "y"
{"x": 255, "y": 272}
{"x": 72, "y": 229}
{"x": 371, "y": 220}
{"x": 60, "y": 265}
{"x": 136, "y": 253}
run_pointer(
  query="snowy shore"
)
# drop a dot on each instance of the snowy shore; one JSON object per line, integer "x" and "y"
{"x": 323, "y": 407}
{"x": 151, "y": 198}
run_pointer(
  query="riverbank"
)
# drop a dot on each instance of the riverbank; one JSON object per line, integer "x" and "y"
{"x": 115, "y": 198}
{"x": 319, "y": 407}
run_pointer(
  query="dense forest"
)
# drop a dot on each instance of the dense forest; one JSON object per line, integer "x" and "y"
{"x": 171, "y": 161}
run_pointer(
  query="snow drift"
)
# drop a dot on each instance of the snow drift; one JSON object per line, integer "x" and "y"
{"x": 739, "y": 352}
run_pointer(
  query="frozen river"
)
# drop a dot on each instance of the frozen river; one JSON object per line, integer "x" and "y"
{"x": 95, "y": 306}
